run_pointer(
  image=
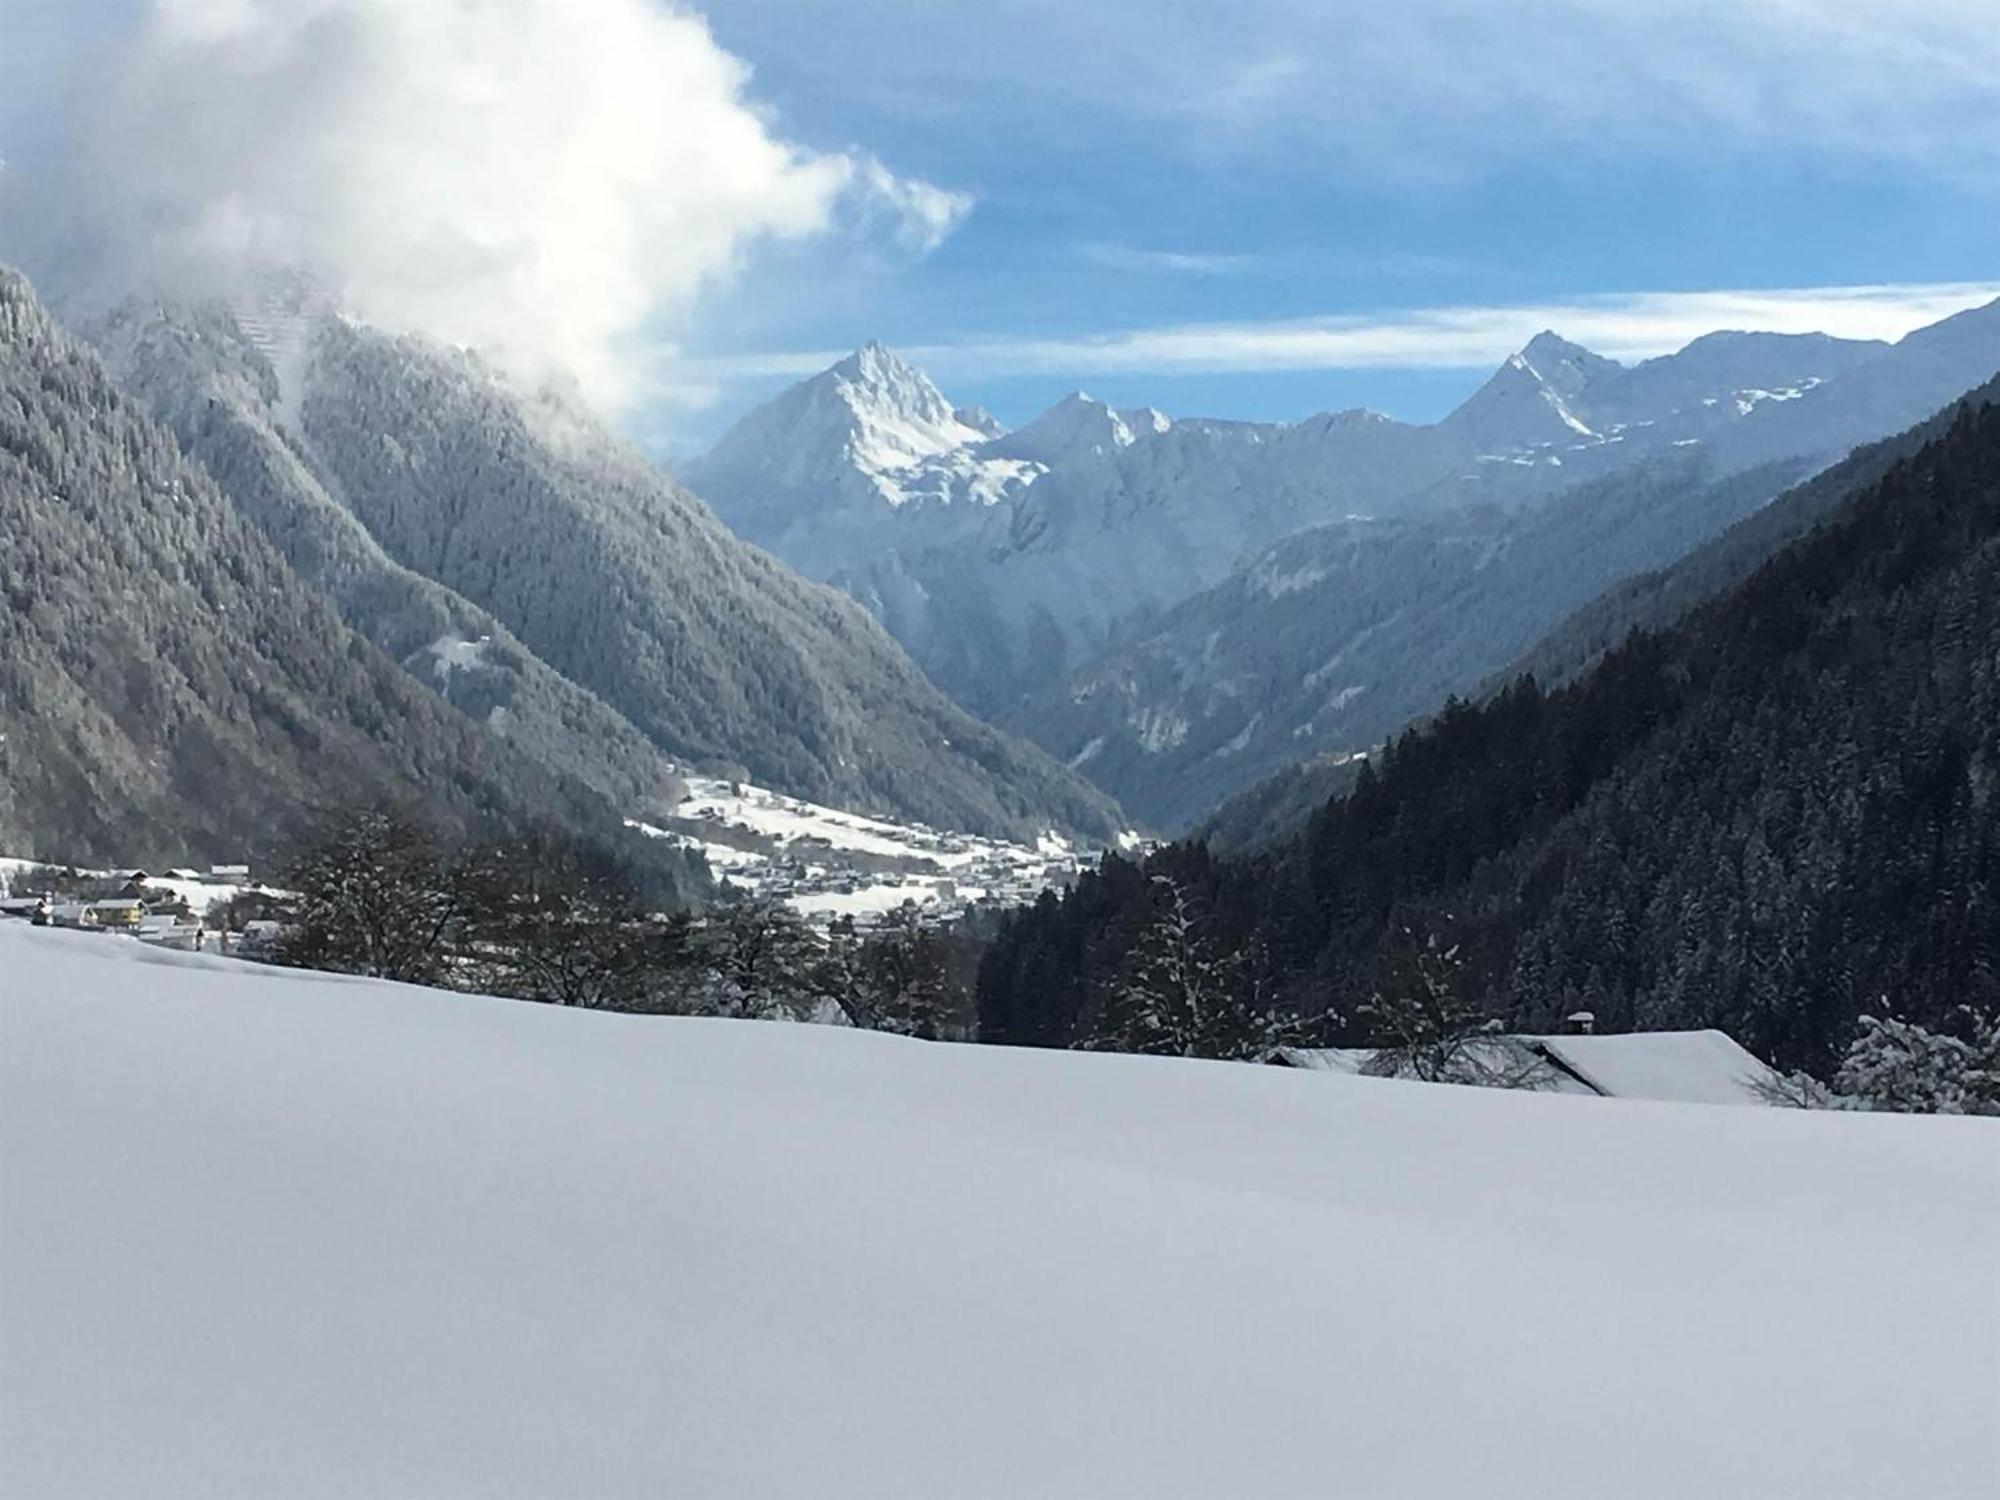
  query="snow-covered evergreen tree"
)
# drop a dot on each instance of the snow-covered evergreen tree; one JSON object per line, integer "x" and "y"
{"x": 898, "y": 980}
{"x": 1898, "y": 1065}
{"x": 1180, "y": 994}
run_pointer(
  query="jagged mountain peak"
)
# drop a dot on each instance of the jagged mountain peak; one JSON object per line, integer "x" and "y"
{"x": 1549, "y": 346}
{"x": 876, "y": 365}
{"x": 875, "y": 380}
{"x": 1529, "y": 400}
{"x": 871, "y": 413}
{"x": 1076, "y": 425}
{"x": 1566, "y": 368}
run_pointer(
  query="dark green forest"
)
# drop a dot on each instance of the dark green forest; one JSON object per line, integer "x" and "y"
{"x": 1772, "y": 817}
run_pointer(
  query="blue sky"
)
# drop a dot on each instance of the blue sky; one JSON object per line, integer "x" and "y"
{"x": 1119, "y": 184}
{"x": 1258, "y": 208}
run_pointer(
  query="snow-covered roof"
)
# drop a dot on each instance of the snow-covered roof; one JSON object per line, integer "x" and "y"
{"x": 1683, "y": 1067}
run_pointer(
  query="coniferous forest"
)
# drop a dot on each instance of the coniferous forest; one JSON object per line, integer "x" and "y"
{"x": 1773, "y": 818}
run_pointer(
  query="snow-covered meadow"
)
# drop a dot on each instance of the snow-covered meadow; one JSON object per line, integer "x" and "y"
{"x": 269, "y": 1233}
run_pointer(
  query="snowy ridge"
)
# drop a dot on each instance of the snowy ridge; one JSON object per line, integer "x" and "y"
{"x": 1005, "y": 561}
{"x": 276, "y": 1233}
{"x": 1077, "y": 425}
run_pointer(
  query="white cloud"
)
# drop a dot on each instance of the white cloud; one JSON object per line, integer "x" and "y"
{"x": 1449, "y": 85}
{"x": 1625, "y": 326}
{"x": 556, "y": 181}
{"x": 1169, "y": 262}
{"x": 921, "y": 215}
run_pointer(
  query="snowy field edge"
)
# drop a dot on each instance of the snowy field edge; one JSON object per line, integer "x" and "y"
{"x": 269, "y": 1232}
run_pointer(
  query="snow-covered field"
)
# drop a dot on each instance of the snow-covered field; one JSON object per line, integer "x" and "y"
{"x": 265, "y": 1233}
{"x": 826, "y": 863}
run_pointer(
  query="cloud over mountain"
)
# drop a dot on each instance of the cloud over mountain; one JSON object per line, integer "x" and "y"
{"x": 551, "y": 180}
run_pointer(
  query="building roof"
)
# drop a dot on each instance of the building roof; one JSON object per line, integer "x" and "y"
{"x": 1683, "y": 1067}
{"x": 1687, "y": 1067}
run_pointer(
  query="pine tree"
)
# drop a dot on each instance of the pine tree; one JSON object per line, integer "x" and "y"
{"x": 1179, "y": 994}
{"x": 1898, "y": 1065}
{"x": 901, "y": 982}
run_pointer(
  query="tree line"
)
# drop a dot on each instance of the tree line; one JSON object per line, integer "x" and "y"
{"x": 551, "y": 917}
{"x": 1774, "y": 818}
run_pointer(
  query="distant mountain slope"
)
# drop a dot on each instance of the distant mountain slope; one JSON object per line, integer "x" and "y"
{"x": 224, "y": 400}
{"x": 169, "y": 687}
{"x": 1001, "y": 579}
{"x": 1339, "y": 636}
{"x": 628, "y": 586}
{"x": 1770, "y": 819}
{"x": 1274, "y": 808}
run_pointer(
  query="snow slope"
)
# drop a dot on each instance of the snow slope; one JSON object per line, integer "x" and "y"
{"x": 271, "y": 1234}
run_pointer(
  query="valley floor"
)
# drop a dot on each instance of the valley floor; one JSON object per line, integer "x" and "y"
{"x": 272, "y": 1233}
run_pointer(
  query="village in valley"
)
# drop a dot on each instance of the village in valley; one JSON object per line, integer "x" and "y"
{"x": 214, "y": 910}
{"x": 828, "y": 865}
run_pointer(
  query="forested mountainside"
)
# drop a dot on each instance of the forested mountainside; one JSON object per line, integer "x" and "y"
{"x": 1274, "y": 808}
{"x": 169, "y": 687}
{"x": 1771, "y": 818}
{"x": 628, "y": 586}
{"x": 222, "y": 397}
{"x": 1338, "y": 637}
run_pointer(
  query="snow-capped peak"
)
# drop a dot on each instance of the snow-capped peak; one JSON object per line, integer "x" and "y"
{"x": 872, "y": 412}
{"x": 1078, "y": 424}
{"x": 1564, "y": 368}
{"x": 1534, "y": 398}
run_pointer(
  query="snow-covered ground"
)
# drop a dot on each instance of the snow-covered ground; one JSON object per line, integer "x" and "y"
{"x": 826, "y": 863}
{"x": 268, "y": 1233}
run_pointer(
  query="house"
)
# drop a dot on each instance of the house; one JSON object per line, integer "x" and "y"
{"x": 259, "y": 939}
{"x": 1686, "y": 1067}
{"x": 166, "y": 932}
{"x": 120, "y": 914}
{"x": 226, "y": 874}
{"x": 1683, "y": 1067}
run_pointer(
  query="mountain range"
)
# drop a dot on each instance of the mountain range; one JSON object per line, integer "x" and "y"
{"x": 1771, "y": 815}
{"x": 543, "y": 624}
{"x": 1177, "y": 607}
